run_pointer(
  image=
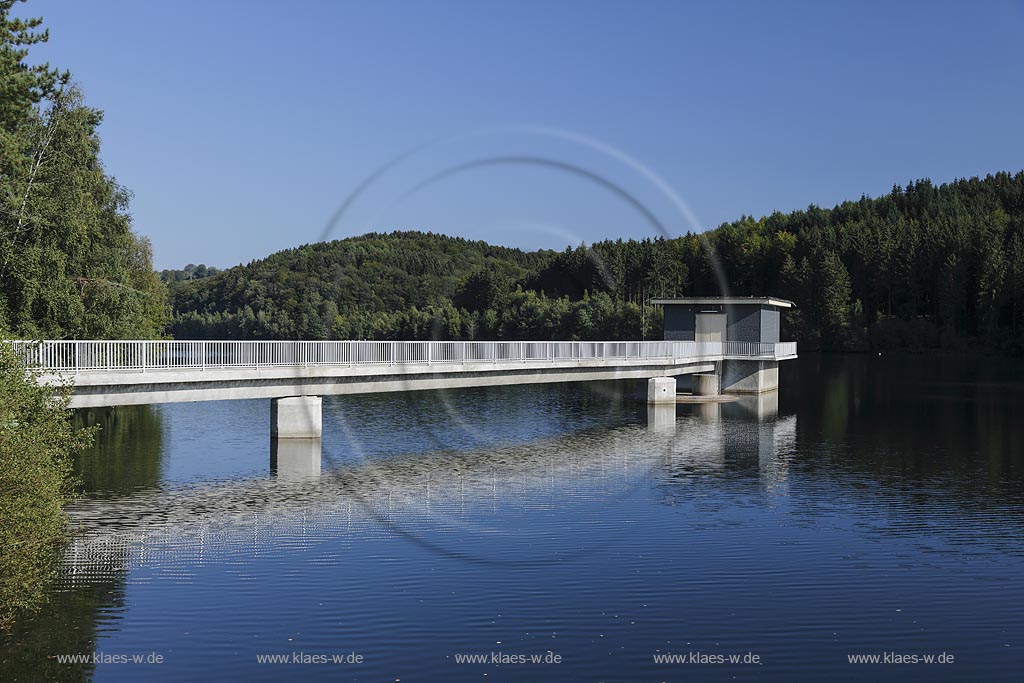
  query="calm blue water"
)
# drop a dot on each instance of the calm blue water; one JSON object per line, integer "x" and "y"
{"x": 875, "y": 505}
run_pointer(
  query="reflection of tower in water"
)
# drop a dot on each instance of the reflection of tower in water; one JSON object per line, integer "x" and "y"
{"x": 757, "y": 438}
{"x": 740, "y": 436}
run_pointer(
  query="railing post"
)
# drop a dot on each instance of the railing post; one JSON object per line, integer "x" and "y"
{"x": 202, "y": 353}
{"x": 145, "y": 346}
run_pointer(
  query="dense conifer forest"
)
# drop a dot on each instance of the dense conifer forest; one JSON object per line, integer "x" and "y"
{"x": 925, "y": 266}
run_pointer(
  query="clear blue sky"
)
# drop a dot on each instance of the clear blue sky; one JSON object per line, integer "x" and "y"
{"x": 241, "y": 126}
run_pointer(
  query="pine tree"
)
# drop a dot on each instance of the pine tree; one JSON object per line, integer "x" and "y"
{"x": 834, "y": 292}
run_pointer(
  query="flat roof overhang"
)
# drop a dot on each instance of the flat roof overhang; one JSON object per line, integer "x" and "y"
{"x": 727, "y": 301}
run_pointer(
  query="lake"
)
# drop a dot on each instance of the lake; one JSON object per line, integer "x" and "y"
{"x": 873, "y": 507}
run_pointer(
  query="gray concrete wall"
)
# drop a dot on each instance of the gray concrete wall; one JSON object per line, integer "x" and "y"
{"x": 771, "y": 319}
{"x": 749, "y": 376}
{"x": 744, "y": 324}
{"x": 705, "y": 384}
{"x": 680, "y": 323}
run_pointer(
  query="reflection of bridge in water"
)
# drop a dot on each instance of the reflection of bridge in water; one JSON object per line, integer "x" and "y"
{"x": 301, "y": 502}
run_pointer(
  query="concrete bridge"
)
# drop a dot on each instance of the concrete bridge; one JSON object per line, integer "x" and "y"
{"x": 295, "y": 374}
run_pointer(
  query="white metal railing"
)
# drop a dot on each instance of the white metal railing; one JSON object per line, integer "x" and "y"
{"x": 759, "y": 350}
{"x": 144, "y": 356}
{"x": 785, "y": 349}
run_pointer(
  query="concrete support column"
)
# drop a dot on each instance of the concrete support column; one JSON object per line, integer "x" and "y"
{"x": 296, "y": 417}
{"x": 705, "y": 385}
{"x": 749, "y": 376}
{"x": 661, "y": 390}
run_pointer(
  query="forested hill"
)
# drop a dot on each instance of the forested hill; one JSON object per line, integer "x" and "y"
{"x": 332, "y": 289}
{"x": 923, "y": 266}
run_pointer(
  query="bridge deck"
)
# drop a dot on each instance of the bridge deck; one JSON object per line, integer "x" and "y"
{"x": 133, "y": 372}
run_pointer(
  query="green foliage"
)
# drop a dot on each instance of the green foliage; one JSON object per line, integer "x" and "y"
{"x": 22, "y": 87}
{"x": 70, "y": 265}
{"x": 927, "y": 266}
{"x": 825, "y": 287}
{"x": 36, "y": 439}
{"x": 301, "y": 293}
{"x": 412, "y": 285}
{"x": 188, "y": 273}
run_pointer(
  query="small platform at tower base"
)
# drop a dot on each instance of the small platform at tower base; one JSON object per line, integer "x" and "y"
{"x": 717, "y": 398}
{"x": 690, "y": 398}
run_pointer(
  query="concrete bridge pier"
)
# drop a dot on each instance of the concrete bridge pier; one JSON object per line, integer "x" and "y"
{"x": 661, "y": 403}
{"x": 749, "y": 376}
{"x": 296, "y": 417}
{"x": 661, "y": 391}
{"x": 705, "y": 384}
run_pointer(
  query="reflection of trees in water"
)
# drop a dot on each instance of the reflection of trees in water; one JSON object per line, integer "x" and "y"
{"x": 127, "y": 454}
{"x": 922, "y": 446}
{"x": 125, "y": 457}
{"x": 913, "y": 416}
{"x": 68, "y": 624}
